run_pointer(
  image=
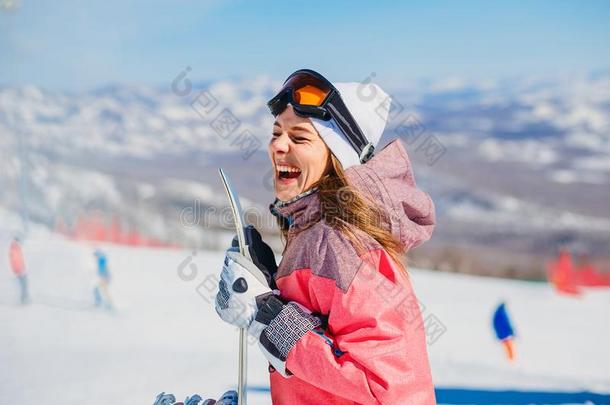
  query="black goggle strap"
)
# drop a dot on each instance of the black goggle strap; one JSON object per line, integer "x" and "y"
{"x": 350, "y": 128}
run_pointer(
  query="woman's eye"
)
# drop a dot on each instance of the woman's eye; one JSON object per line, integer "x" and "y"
{"x": 299, "y": 139}
{"x": 275, "y": 135}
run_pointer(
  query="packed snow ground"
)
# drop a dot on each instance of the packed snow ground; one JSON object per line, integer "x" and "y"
{"x": 165, "y": 335}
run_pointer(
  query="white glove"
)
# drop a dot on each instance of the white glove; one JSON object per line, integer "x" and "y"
{"x": 245, "y": 300}
{"x": 241, "y": 290}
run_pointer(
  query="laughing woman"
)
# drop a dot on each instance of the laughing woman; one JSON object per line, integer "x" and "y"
{"x": 337, "y": 319}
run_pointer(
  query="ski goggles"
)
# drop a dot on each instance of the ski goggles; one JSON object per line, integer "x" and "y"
{"x": 312, "y": 95}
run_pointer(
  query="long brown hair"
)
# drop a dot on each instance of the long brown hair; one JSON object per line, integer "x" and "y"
{"x": 344, "y": 208}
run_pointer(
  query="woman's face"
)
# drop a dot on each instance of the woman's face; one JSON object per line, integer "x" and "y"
{"x": 298, "y": 154}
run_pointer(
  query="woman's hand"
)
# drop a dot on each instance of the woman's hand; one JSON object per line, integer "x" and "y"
{"x": 245, "y": 299}
{"x": 245, "y": 283}
{"x": 242, "y": 289}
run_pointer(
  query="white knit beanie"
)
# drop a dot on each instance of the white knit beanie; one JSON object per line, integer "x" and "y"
{"x": 369, "y": 105}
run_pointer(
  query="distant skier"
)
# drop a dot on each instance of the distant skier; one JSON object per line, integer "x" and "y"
{"x": 100, "y": 292}
{"x": 504, "y": 330}
{"x": 18, "y": 267}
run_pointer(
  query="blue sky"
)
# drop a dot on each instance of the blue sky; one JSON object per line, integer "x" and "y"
{"x": 79, "y": 45}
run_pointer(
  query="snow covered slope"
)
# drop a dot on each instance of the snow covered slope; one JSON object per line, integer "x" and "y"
{"x": 165, "y": 335}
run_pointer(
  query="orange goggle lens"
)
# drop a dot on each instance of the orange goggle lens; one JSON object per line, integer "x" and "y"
{"x": 310, "y": 95}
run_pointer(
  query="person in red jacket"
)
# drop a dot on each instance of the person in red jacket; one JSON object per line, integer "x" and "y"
{"x": 18, "y": 266}
{"x": 337, "y": 319}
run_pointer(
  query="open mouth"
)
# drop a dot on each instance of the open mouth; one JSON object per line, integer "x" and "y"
{"x": 287, "y": 172}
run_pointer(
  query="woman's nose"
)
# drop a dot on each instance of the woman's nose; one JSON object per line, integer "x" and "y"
{"x": 281, "y": 144}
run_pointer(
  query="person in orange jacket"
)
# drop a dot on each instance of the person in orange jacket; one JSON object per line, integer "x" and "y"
{"x": 18, "y": 266}
{"x": 337, "y": 320}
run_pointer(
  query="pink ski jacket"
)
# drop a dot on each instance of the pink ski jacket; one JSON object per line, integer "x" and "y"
{"x": 372, "y": 349}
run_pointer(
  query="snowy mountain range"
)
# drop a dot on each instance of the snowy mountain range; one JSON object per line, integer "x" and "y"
{"x": 521, "y": 163}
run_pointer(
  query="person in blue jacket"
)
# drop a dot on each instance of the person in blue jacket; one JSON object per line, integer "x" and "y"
{"x": 100, "y": 292}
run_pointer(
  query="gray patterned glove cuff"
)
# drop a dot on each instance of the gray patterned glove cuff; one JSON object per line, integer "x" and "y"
{"x": 283, "y": 332}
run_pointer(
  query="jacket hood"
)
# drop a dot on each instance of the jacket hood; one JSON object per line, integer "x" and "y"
{"x": 388, "y": 181}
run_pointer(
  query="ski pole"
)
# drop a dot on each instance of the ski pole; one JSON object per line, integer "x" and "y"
{"x": 243, "y": 367}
